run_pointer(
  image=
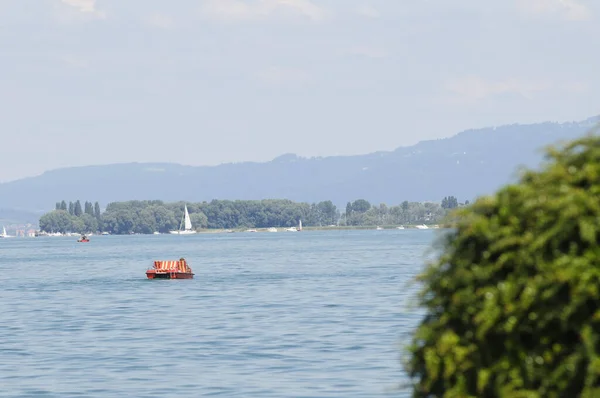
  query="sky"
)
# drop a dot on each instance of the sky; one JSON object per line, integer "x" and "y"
{"x": 204, "y": 82}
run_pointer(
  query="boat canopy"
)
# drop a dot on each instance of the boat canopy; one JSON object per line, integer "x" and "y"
{"x": 172, "y": 266}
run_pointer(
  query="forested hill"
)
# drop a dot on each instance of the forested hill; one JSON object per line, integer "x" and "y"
{"x": 469, "y": 164}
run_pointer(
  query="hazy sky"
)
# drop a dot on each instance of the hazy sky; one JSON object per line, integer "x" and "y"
{"x": 209, "y": 81}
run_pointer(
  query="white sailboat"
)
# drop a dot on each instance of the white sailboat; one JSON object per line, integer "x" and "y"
{"x": 4, "y": 234}
{"x": 295, "y": 229}
{"x": 187, "y": 224}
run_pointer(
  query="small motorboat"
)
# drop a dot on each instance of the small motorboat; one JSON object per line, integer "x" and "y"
{"x": 83, "y": 239}
{"x": 170, "y": 269}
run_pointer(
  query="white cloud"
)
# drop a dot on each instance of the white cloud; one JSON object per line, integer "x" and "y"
{"x": 572, "y": 10}
{"x": 159, "y": 21}
{"x": 280, "y": 75}
{"x": 237, "y": 10}
{"x": 368, "y": 11}
{"x": 473, "y": 88}
{"x": 575, "y": 88}
{"x": 368, "y": 51}
{"x": 75, "y": 61}
{"x": 85, "y": 6}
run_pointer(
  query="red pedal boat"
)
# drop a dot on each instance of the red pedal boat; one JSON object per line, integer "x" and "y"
{"x": 170, "y": 269}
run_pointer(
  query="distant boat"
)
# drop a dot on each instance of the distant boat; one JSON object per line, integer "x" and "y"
{"x": 186, "y": 223}
{"x": 170, "y": 269}
{"x": 400, "y": 227}
{"x": 422, "y": 226}
{"x": 379, "y": 228}
{"x": 295, "y": 229}
{"x": 4, "y": 234}
{"x": 272, "y": 229}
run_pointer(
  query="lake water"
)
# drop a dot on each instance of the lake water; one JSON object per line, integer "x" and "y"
{"x": 311, "y": 314}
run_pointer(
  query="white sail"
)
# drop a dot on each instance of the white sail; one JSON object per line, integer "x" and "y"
{"x": 4, "y": 234}
{"x": 300, "y": 225}
{"x": 188, "y": 222}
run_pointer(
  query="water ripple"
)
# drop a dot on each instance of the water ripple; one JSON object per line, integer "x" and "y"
{"x": 317, "y": 314}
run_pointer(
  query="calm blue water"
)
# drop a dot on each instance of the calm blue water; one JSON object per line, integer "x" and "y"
{"x": 311, "y": 314}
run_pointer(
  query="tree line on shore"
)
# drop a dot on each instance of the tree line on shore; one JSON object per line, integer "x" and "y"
{"x": 149, "y": 216}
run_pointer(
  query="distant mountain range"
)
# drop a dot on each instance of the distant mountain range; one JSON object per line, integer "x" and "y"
{"x": 469, "y": 164}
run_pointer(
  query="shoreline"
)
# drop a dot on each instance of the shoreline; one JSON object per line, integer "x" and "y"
{"x": 336, "y": 228}
{"x": 280, "y": 230}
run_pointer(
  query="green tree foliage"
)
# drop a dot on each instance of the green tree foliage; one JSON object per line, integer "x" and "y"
{"x": 88, "y": 208}
{"x": 199, "y": 219}
{"x": 405, "y": 205}
{"x": 324, "y": 213}
{"x": 406, "y": 213}
{"x": 63, "y": 221}
{"x": 513, "y": 301}
{"x": 355, "y": 212}
{"x": 77, "y": 211}
{"x": 90, "y": 224}
{"x": 146, "y": 217}
{"x": 56, "y": 221}
{"x": 63, "y": 205}
{"x": 360, "y": 206}
{"x": 256, "y": 213}
{"x": 449, "y": 202}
